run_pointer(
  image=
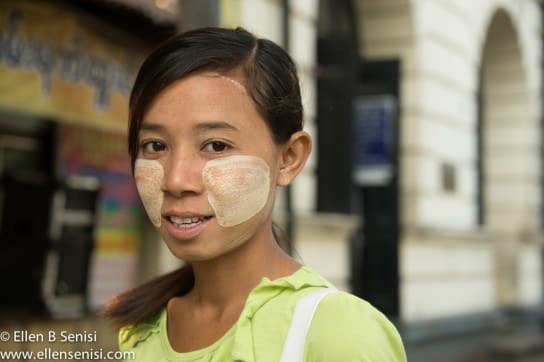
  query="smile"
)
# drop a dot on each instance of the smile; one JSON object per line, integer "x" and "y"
{"x": 187, "y": 222}
{"x": 185, "y": 227}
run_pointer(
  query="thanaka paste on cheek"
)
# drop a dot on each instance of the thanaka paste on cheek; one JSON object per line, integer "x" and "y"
{"x": 149, "y": 176}
{"x": 238, "y": 187}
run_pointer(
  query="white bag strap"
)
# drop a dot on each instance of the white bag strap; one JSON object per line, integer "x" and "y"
{"x": 293, "y": 348}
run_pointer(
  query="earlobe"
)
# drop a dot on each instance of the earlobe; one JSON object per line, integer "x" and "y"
{"x": 295, "y": 152}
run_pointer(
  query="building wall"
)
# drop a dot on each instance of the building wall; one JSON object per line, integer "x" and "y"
{"x": 445, "y": 276}
{"x": 449, "y": 263}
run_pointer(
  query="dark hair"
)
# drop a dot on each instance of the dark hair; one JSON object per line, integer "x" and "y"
{"x": 271, "y": 81}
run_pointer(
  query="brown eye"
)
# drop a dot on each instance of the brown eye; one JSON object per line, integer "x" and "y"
{"x": 216, "y": 146}
{"x": 153, "y": 146}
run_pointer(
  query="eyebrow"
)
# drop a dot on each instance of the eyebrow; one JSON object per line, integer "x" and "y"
{"x": 151, "y": 127}
{"x": 201, "y": 127}
{"x": 207, "y": 126}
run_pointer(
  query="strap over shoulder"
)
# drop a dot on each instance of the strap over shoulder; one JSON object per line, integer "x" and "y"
{"x": 293, "y": 348}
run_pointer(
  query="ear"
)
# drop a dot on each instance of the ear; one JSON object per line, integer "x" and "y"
{"x": 294, "y": 154}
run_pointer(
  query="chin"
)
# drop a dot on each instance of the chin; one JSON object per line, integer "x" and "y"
{"x": 198, "y": 250}
{"x": 187, "y": 251}
{"x": 192, "y": 256}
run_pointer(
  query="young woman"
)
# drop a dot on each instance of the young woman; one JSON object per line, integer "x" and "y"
{"x": 215, "y": 127}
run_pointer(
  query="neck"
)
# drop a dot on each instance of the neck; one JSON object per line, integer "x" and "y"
{"x": 227, "y": 280}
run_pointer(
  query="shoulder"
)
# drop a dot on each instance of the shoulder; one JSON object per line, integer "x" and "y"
{"x": 131, "y": 336}
{"x": 347, "y": 328}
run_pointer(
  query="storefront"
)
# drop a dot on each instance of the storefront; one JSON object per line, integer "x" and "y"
{"x": 65, "y": 78}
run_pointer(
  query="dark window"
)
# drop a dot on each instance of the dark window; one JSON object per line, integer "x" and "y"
{"x": 337, "y": 73}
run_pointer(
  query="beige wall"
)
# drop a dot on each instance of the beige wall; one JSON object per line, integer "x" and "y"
{"x": 450, "y": 265}
{"x": 446, "y": 275}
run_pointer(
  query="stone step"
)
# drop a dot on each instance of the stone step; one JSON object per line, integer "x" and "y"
{"x": 517, "y": 348}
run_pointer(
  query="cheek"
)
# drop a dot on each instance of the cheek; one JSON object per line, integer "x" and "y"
{"x": 149, "y": 177}
{"x": 238, "y": 187}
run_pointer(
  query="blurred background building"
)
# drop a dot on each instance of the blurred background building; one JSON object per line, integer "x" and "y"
{"x": 423, "y": 194}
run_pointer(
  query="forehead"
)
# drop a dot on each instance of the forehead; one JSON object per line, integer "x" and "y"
{"x": 203, "y": 95}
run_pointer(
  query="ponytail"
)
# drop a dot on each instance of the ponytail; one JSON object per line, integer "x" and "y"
{"x": 147, "y": 300}
{"x": 281, "y": 238}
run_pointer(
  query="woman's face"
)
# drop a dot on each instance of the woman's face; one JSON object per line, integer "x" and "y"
{"x": 207, "y": 166}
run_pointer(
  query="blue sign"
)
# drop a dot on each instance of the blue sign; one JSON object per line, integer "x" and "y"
{"x": 374, "y": 139}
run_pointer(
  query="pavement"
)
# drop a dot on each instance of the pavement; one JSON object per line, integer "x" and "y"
{"x": 488, "y": 347}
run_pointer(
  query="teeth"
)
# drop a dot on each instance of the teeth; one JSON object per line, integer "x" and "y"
{"x": 185, "y": 220}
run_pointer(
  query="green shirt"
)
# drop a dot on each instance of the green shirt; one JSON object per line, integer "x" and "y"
{"x": 345, "y": 328}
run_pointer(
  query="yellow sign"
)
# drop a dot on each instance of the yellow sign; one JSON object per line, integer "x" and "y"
{"x": 57, "y": 63}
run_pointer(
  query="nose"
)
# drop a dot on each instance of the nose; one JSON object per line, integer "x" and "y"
{"x": 182, "y": 175}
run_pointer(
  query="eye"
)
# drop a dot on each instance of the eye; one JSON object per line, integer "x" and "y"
{"x": 153, "y": 147}
{"x": 216, "y": 146}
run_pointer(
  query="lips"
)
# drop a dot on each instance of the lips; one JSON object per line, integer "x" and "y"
{"x": 184, "y": 226}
